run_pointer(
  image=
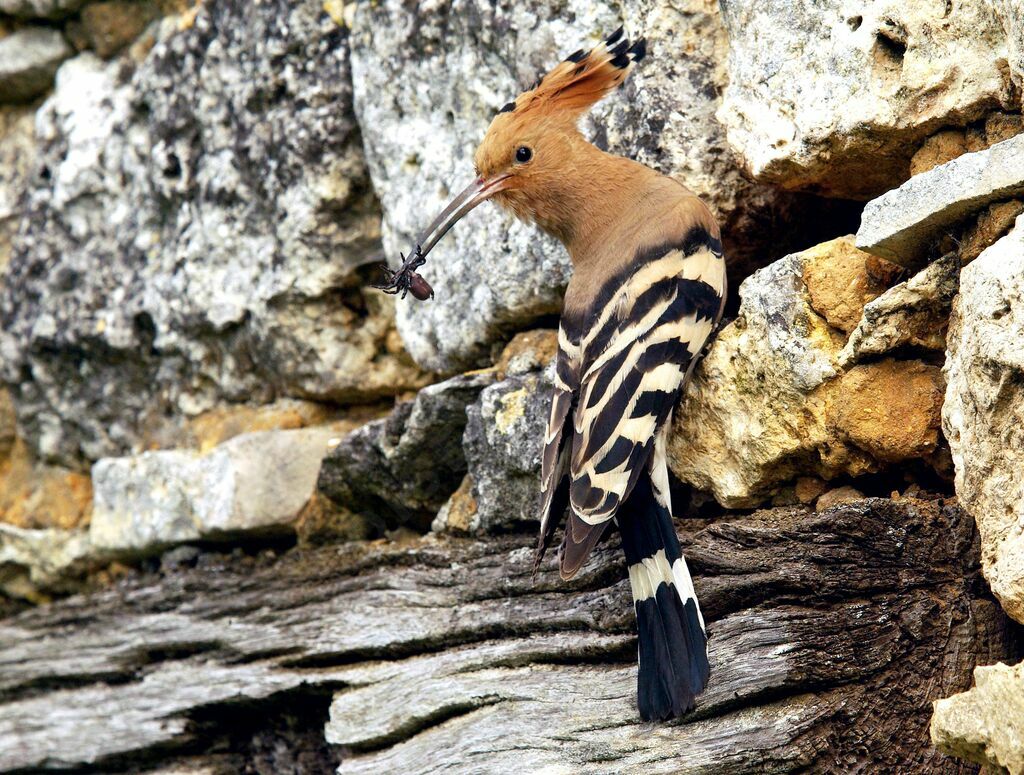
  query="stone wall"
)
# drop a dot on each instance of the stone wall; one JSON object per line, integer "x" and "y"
{"x": 198, "y": 380}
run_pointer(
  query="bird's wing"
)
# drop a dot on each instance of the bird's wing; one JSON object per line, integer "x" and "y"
{"x": 554, "y": 474}
{"x": 636, "y": 357}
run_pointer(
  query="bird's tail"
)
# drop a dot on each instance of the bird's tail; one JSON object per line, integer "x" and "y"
{"x": 673, "y": 646}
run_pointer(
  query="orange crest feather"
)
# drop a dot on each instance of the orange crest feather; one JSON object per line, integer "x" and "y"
{"x": 582, "y": 79}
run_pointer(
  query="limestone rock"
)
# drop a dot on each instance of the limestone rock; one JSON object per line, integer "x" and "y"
{"x": 192, "y": 236}
{"x": 429, "y": 79}
{"x": 43, "y": 9}
{"x": 768, "y": 403}
{"x": 401, "y": 469}
{"x": 938, "y": 149}
{"x": 750, "y": 417}
{"x": 983, "y": 415}
{"x": 992, "y": 223}
{"x": 913, "y": 314}
{"x": 28, "y": 59}
{"x": 36, "y": 495}
{"x": 1011, "y": 14}
{"x": 901, "y": 224}
{"x": 32, "y": 561}
{"x": 832, "y": 96}
{"x": 841, "y": 280}
{"x": 257, "y": 482}
{"x": 890, "y": 409}
{"x": 986, "y": 723}
{"x": 528, "y": 351}
{"x": 503, "y": 441}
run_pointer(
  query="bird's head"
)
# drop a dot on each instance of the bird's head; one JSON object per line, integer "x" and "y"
{"x": 532, "y": 150}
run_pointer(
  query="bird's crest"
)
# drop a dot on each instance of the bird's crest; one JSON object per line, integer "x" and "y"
{"x": 581, "y": 80}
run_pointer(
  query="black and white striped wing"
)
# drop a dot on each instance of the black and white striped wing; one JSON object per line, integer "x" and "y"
{"x": 633, "y": 374}
{"x": 555, "y": 457}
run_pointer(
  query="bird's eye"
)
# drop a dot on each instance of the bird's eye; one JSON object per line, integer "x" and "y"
{"x": 523, "y": 154}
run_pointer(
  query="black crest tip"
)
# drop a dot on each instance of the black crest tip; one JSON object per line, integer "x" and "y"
{"x": 618, "y": 48}
{"x": 576, "y": 56}
{"x": 614, "y": 36}
{"x": 508, "y": 107}
{"x": 638, "y": 50}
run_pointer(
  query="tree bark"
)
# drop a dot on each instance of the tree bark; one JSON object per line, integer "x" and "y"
{"x": 830, "y": 635}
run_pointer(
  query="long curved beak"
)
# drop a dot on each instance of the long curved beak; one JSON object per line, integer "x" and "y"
{"x": 475, "y": 193}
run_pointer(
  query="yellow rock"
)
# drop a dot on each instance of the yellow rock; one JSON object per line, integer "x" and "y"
{"x": 34, "y": 495}
{"x": 528, "y": 351}
{"x": 892, "y": 410}
{"x": 938, "y": 149}
{"x": 841, "y": 280}
{"x": 461, "y": 507}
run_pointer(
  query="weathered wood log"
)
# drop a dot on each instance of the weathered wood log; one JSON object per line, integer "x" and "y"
{"x": 830, "y": 635}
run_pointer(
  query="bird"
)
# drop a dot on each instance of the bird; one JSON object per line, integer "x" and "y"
{"x": 647, "y": 291}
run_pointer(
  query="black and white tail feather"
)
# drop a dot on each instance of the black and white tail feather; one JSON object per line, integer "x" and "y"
{"x": 620, "y": 369}
{"x": 673, "y": 646}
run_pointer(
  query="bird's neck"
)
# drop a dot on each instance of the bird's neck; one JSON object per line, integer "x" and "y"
{"x": 607, "y": 195}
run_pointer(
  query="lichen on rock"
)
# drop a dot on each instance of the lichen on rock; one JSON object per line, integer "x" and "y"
{"x": 192, "y": 234}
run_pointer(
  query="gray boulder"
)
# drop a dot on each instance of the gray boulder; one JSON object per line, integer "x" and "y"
{"x": 503, "y": 442}
{"x": 192, "y": 234}
{"x": 401, "y": 469}
{"x": 983, "y": 414}
{"x": 835, "y": 96}
{"x": 256, "y": 483}
{"x": 28, "y": 59}
{"x": 902, "y": 224}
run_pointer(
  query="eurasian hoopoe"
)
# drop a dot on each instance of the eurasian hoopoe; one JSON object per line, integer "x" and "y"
{"x": 647, "y": 291}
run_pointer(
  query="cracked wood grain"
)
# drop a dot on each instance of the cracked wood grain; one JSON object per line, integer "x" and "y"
{"x": 830, "y": 634}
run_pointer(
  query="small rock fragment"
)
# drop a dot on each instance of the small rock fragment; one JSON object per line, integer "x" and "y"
{"x": 459, "y": 514}
{"x": 838, "y": 496}
{"x": 985, "y": 724}
{"x": 528, "y": 351}
{"x": 902, "y": 224}
{"x": 107, "y": 27}
{"x": 914, "y": 313}
{"x": 29, "y": 57}
{"x": 841, "y": 280}
{"x": 809, "y": 488}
